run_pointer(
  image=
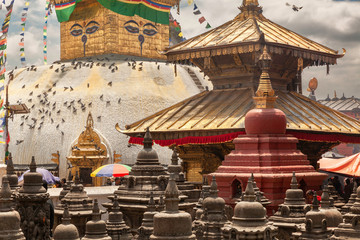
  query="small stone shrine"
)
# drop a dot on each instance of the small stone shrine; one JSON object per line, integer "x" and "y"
{"x": 88, "y": 154}
{"x": 197, "y": 225}
{"x": 32, "y": 206}
{"x": 146, "y": 176}
{"x": 350, "y": 228}
{"x": 67, "y": 186}
{"x": 66, "y": 230}
{"x": 333, "y": 216}
{"x": 264, "y": 201}
{"x": 115, "y": 225}
{"x": 184, "y": 187}
{"x": 171, "y": 223}
{"x": 339, "y": 202}
{"x": 9, "y": 218}
{"x": 147, "y": 226}
{"x": 10, "y": 173}
{"x": 291, "y": 214}
{"x": 213, "y": 217}
{"x": 346, "y": 208}
{"x": 96, "y": 228}
{"x": 79, "y": 204}
{"x": 249, "y": 221}
{"x": 315, "y": 225}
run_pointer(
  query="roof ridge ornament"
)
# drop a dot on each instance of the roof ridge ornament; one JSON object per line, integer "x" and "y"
{"x": 265, "y": 94}
{"x": 249, "y": 9}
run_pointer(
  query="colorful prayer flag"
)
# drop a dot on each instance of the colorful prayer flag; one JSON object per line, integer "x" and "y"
{"x": 208, "y": 25}
{"x": 190, "y": 2}
{"x": 202, "y": 19}
{"x": 197, "y": 12}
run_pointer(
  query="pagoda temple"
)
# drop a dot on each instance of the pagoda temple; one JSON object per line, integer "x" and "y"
{"x": 202, "y": 128}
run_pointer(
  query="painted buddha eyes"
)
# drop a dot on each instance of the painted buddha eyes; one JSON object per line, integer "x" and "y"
{"x": 132, "y": 29}
{"x": 148, "y": 29}
{"x": 90, "y": 28}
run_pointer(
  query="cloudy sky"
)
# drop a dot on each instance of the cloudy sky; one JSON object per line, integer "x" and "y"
{"x": 335, "y": 24}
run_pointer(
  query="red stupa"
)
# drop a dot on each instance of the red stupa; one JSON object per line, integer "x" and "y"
{"x": 266, "y": 151}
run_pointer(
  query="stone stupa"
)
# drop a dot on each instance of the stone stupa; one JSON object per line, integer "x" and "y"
{"x": 146, "y": 176}
{"x": 346, "y": 208}
{"x": 249, "y": 221}
{"x": 9, "y": 218}
{"x": 10, "y": 173}
{"x": 147, "y": 226}
{"x": 115, "y": 225}
{"x": 67, "y": 186}
{"x": 171, "y": 223}
{"x": 291, "y": 214}
{"x": 315, "y": 225}
{"x": 96, "y": 228}
{"x": 333, "y": 215}
{"x": 213, "y": 217}
{"x": 66, "y": 230}
{"x": 350, "y": 229}
{"x": 79, "y": 204}
{"x": 32, "y": 205}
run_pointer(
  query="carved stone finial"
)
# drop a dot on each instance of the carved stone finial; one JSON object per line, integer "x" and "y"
{"x": 174, "y": 158}
{"x": 213, "y": 188}
{"x": 66, "y": 216}
{"x": 10, "y": 166}
{"x": 249, "y": 192}
{"x": 5, "y": 189}
{"x": 96, "y": 215}
{"x": 148, "y": 141}
{"x": 294, "y": 183}
{"x": 151, "y": 205}
{"x": 325, "y": 198}
{"x": 315, "y": 203}
{"x": 171, "y": 195}
{"x": 33, "y": 165}
{"x": 265, "y": 94}
{"x": 77, "y": 179}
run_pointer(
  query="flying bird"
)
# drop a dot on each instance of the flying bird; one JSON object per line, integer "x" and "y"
{"x": 23, "y": 86}
{"x": 37, "y": 86}
{"x": 101, "y": 97}
{"x": 19, "y": 141}
{"x": 58, "y": 112}
{"x": 295, "y": 8}
{"x": 119, "y": 100}
{"x": 57, "y": 126}
{"x": 158, "y": 67}
{"x": 62, "y": 120}
{"x": 65, "y": 88}
{"x": 31, "y": 93}
{"x": 109, "y": 84}
{"x": 21, "y": 123}
{"x": 57, "y": 70}
{"x": 88, "y": 85}
{"x": 71, "y": 88}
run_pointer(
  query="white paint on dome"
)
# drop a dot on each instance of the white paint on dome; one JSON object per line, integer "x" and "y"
{"x": 142, "y": 93}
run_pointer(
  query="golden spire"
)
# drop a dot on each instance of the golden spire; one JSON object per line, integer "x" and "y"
{"x": 265, "y": 94}
{"x": 249, "y": 9}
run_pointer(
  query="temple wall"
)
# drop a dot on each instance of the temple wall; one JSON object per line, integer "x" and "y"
{"x": 142, "y": 93}
{"x": 94, "y": 30}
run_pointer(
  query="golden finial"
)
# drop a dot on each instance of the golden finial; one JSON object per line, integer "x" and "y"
{"x": 249, "y": 9}
{"x": 265, "y": 94}
{"x": 89, "y": 121}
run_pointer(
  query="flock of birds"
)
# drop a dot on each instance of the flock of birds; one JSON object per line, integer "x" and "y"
{"x": 44, "y": 107}
{"x": 295, "y": 8}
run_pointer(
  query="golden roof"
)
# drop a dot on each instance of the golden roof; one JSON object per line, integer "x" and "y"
{"x": 224, "y": 110}
{"x": 250, "y": 27}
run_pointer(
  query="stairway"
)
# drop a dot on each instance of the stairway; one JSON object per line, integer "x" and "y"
{"x": 196, "y": 80}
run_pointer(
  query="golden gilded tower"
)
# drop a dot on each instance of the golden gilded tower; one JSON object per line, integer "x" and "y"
{"x": 99, "y": 27}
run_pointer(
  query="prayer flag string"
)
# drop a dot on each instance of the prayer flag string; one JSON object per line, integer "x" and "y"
{"x": 3, "y": 46}
{"x": 47, "y": 13}
{"x": 196, "y": 11}
{"x": 22, "y": 34}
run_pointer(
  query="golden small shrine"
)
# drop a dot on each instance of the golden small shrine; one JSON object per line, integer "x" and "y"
{"x": 88, "y": 154}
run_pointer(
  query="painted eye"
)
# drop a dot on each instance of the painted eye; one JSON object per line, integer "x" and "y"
{"x": 150, "y": 32}
{"x": 132, "y": 29}
{"x": 76, "y": 32}
{"x": 92, "y": 29}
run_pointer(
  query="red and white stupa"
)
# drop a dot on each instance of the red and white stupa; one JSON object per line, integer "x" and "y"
{"x": 265, "y": 150}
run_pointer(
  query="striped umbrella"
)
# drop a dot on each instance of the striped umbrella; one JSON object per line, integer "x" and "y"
{"x": 111, "y": 170}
